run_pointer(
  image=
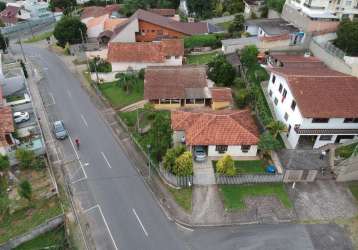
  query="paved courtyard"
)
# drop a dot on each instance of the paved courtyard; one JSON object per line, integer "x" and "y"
{"x": 204, "y": 173}
{"x": 323, "y": 200}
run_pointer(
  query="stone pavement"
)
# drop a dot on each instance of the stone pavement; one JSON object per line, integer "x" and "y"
{"x": 204, "y": 173}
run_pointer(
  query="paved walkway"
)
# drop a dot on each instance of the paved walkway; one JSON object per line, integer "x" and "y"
{"x": 134, "y": 106}
{"x": 204, "y": 173}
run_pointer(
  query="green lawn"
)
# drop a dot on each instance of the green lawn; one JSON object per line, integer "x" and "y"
{"x": 51, "y": 240}
{"x": 353, "y": 186}
{"x": 234, "y": 195}
{"x": 202, "y": 58}
{"x": 13, "y": 98}
{"x": 24, "y": 220}
{"x": 248, "y": 167}
{"x": 346, "y": 151}
{"x": 118, "y": 97}
{"x": 225, "y": 25}
{"x": 183, "y": 197}
{"x": 39, "y": 37}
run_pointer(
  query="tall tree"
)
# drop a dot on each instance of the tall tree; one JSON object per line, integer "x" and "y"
{"x": 237, "y": 26}
{"x": 2, "y": 6}
{"x": 276, "y": 127}
{"x": 347, "y": 37}
{"x": 201, "y": 8}
{"x": 221, "y": 71}
{"x": 248, "y": 56}
{"x": 267, "y": 143}
{"x": 68, "y": 29}
{"x": 66, "y": 5}
{"x": 160, "y": 136}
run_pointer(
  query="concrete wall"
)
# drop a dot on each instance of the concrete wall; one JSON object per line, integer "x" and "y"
{"x": 232, "y": 150}
{"x": 220, "y": 105}
{"x": 167, "y": 106}
{"x": 273, "y": 14}
{"x": 127, "y": 35}
{"x": 151, "y": 32}
{"x": 123, "y": 66}
{"x": 297, "y": 176}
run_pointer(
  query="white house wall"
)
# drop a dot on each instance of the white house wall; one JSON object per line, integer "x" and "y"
{"x": 252, "y": 29}
{"x": 94, "y": 32}
{"x": 232, "y": 150}
{"x": 123, "y": 66}
{"x": 127, "y": 35}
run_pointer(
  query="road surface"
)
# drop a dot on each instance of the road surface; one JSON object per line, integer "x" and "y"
{"x": 125, "y": 213}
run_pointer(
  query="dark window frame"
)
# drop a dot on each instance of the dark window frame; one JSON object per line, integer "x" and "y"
{"x": 320, "y": 120}
{"x": 293, "y": 105}
{"x": 325, "y": 137}
{"x": 245, "y": 148}
{"x": 221, "y": 148}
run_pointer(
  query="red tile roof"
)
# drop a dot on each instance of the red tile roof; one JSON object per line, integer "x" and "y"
{"x": 96, "y": 11}
{"x": 170, "y": 82}
{"x": 221, "y": 94}
{"x": 284, "y": 58}
{"x": 6, "y": 120}
{"x": 151, "y": 52}
{"x": 319, "y": 70}
{"x": 225, "y": 127}
{"x": 163, "y": 12}
{"x": 8, "y": 15}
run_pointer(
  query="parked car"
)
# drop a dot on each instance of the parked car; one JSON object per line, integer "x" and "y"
{"x": 59, "y": 130}
{"x": 21, "y": 117}
{"x": 199, "y": 153}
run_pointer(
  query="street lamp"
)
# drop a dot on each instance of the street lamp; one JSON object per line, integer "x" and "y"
{"x": 148, "y": 148}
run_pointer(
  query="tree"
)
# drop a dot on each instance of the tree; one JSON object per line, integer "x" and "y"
{"x": 25, "y": 157}
{"x": 347, "y": 37}
{"x": 4, "y": 41}
{"x": 276, "y": 5}
{"x": 226, "y": 166}
{"x": 267, "y": 143}
{"x": 276, "y": 127}
{"x": 170, "y": 157}
{"x": 221, "y": 71}
{"x": 25, "y": 190}
{"x": 127, "y": 80}
{"x": 2, "y": 6}
{"x": 4, "y": 163}
{"x": 160, "y": 136}
{"x": 237, "y": 25}
{"x": 201, "y": 8}
{"x": 66, "y": 5}
{"x": 100, "y": 65}
{"x": 68, "y": 30}
{"x": 184, "y": 164}
{"x": 4, "y": 205}
{"x": 130, "y": 6}
{"x": 248, "y": 56}
{"x": 234, "y": 6}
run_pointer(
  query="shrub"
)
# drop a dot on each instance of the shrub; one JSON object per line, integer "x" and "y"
{"x": 25, "y": 157}
{"x": 4, "y": 162}
{"x": 221, "y": 71}
{"x": 39, "y": 163}
{"x": 171, "y": 156}
{"x": 276, "y": 5}
{"x": 242, "y": 98}
{"x": 67, "y": 30}
{"x": 67, "y": 50}
{"x": 4, "y": 205}
{"x": 239, "y": 83}
{"x": 102, "y": 66}
{"x": 184, "y": 164}
{"x": 268, "y": 142}
{"x": 141, "y": 74}
{"x": 226, "y": 166}
{"x": 25, "y": 190}
{"x": 209, "y": 40}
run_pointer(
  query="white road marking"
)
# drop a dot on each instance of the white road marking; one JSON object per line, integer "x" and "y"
{"x": 105, "y": 158}
{"x": 84, "y": 120}
{"x": 183, "y": 227}
{"x": 140, "y": 222}
{"x": 69, "y": 94}
{"x": 77, "y": 156}
{"x": 79, "y": 180}
{"x": 105, "y": 222}
{"x": 89, "y": 209}
{"x": 53, "y": 98}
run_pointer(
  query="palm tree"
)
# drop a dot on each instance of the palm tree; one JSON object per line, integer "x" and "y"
{"x": 276, "y": 127}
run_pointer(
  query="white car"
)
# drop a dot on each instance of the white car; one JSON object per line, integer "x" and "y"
{"x": 21, "y": 117}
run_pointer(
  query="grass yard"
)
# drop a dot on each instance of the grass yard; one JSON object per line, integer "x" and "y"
{"x": 51, "y": 240}
{"x": 118, "y": 97}
{"x": 13, "y": 98}
{"x": 234, "y": 195}
{"x": 249, "y": 167}
{"x": 25, "y": 219}
{"x": 183, "y": 197}
{"x": 346, "y": 151}
{"x": 225, "y": 25}
{"x": 353, "y": 186}
{"x": 202, "y": 58}
{"x": 39, "y": 37}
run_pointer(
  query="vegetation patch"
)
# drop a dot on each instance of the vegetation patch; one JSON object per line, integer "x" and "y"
{"x": 201, "y": 58}
{"x": 250, "y": 167}
{"x": 346, "y": 151}
{"x": 183, "y": 197}
{"x": 210, "y": 40}
{"x": 13, "y": 98}
{"x": 39, "y": 37}
{"x": 234, "y": 195}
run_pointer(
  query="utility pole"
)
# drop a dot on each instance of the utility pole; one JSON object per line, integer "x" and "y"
{"x": 88, "y": 66}
{"x": 148, "y": 147}
{"x": 22, "y": 49}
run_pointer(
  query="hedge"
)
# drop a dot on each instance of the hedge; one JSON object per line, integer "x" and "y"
{"x": 209, "y": 40}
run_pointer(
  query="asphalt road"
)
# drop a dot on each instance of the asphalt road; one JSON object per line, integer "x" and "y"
{"x": 127, "y": 215}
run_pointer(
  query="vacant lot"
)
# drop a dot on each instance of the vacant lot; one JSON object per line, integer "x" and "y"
{"x": 202, "y": 58}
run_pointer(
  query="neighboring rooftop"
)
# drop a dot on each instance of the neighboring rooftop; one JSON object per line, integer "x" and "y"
{"x": 273, "y": 27}
{"x": 8, "y": 15}
{"x": 6, "y": 120}
{"x": 112, "y": 23}
{"x": 174, "y": 82}
{"x": 221, "y": 94}
{"x": 163, "y": 12}
{"x": 254, "y": 2}
{"x": 96, "y": 11}
{"x": 224, "y": 127}
{"x": 145, "y": 51}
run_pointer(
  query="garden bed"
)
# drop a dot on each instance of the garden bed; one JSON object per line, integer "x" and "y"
{"x": 234, "y": 195}
{"x": 201, "y": 58}
{"x": 248, "y": 167}
{"x": 345, "y": 151}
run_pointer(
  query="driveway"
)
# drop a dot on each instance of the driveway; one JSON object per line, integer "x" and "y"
{"x": 204, "y": 173}
{"x": 323, "y": 200}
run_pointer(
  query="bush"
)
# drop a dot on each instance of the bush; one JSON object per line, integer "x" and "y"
{"x": 102, "y": 66}
{"x": 67, "y": 30}
{"x": 210, "y": 40}
{"x": 347, "y": 37}
{"x": 226, "y": 166}
{"x": 25, "y": 190}
{"x": 25, "y": 157}
{"x": 170, "y": 157}
{"x": 276, "y": 5}
{"x": 268, "y": 142}
{"x": 242, "y": 98}
{"x": 4, "y": 162}
{"x": 184, "y": 164}
{"x": 141, "y": 74}
{"x": 239, "y": 83}
{"x": 221, "y": 71}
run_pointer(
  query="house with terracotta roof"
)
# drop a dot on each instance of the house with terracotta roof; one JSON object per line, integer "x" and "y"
{"x": 318, "y": 105}
{"x": 183, "y": 87}
{"x": 97, "y": 25}
{"x": 146, "y": 26}
{"x": 6, "y": 128}
{"x": 232, "y": 132}
{"x": 91, "y": 12}
{"x": 143, "y": 54}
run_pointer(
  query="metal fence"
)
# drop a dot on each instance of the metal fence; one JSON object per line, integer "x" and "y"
{"x": 330, "y": 48}
{"x": 178, "y": 181}
{"x": 248, "y": 178}
{"x": 27, "y": 25}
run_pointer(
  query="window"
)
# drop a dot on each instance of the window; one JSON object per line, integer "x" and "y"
{"x": 286, "y": 117}
{"x": 160, "y": 32}
{"x": 320, "y": 120}
{"x": 245, "y": 148}
{"x": 199, "y": 101}
{"x": 325, "y": 137}
{"x": 164, "y": 101}
{"x": 284, "y": 94}
{"x": 288, "y": 130}
{"x": 270, "y": 93}
{"x": 155, "y": 101}
{"x": 275, "y": 101}
{"x": 273, "y": 79}
{"x": 280, "y": 88}
{"x": 221, "y": 148}
{"x": 177, "y": 57}
{"x": 189, "y": 101}
{"x": 153, "y": 31}
{"x": 293, "y": 105}
{"x": 348, "y": 3}
{"x": 167, "y": 57}
{"x": 175, "y": 101}
{"x": 350, "y": 120}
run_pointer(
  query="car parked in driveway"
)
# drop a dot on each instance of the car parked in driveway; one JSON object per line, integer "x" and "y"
{"x": 199, "y": 154}
{"x": 59, "y": 130}
{"x": 21, "y": 117}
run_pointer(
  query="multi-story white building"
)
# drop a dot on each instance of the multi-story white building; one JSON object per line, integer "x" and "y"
{"x": 319, "y": 106}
